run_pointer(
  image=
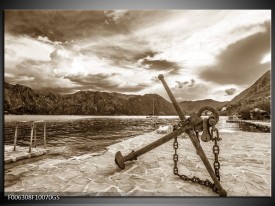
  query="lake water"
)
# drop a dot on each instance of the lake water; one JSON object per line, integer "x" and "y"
{"x": 79, "y": 135}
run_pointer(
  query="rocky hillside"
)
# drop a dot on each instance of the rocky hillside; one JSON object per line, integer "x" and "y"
{"x": 260, "y": 89}
{"x": 194, "y": 106}
{"x": 256, "y": 96}
{"x": 20, "y": 99}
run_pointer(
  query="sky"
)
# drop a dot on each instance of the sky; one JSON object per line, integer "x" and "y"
{"x": 202, "y": 54}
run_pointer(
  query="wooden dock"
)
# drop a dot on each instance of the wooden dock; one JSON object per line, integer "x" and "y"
{"x": 261, "y": 125}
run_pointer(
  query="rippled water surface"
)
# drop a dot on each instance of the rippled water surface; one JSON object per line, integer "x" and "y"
{"x": 81, "y": 134}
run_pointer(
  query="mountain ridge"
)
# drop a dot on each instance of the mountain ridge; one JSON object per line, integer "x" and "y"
{"x": 20, "y": 99}
{"x": 194, "y": 106}
{"x": 260, "y": 86}
{"x": 258, "y": 95}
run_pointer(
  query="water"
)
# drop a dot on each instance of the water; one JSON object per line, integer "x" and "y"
{"x": 79, "y": 135}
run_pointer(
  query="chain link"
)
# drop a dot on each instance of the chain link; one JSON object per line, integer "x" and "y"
{"x": 216, "y": 151}
{"x": 175, "y": 157}
{"x": 216, "y": 163}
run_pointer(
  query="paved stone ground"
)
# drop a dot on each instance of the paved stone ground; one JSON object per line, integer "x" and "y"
{"x": 21, "y": 153}
{"x": 263, "y": 125}
{"x": 245, "y": 170}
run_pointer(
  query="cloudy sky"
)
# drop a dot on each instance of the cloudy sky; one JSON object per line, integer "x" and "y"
{"x": 202, "y": 54}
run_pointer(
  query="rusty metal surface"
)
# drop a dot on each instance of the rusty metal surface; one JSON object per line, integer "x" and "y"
{"x": 193, "y": 179}
{"x": 191, "y": 126}
{"x": 172, "y": 98}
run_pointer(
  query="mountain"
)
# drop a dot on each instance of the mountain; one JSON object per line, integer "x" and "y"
{"x": 19, "y": 99}
{"x": 194, "y": 106}
{"x": 260, "y": 89}
{"x": 256, "y": 96}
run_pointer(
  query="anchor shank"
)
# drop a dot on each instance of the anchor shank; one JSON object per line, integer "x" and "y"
{"x": 206, "y": 163}
{"x": 172, "y": 98}
{"x": 120, "y": 160}
{"x": 194, "y": 123}
{"x": 154, "y": 144}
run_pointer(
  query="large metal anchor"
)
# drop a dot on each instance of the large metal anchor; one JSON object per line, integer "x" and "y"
{"x": 192, "y": 126}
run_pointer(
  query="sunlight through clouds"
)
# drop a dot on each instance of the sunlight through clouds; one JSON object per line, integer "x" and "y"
{"x": 126, "y": 50}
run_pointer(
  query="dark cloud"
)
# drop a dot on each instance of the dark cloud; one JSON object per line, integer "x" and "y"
{"x": 240, "y": 63}
{"x": 93, "y": 81}
{"x": 160, "y": 65}
{"x": 61, "y": 25}
{"x": 67, "y": 25}
{"x": 116, "y": 55}
{"x": 145, "y": 54}
{"x": 103, "y": 82}
{"x": 37, "y": 70}
{"x": 127, "y": 57}
{"x": 230, "y": 91}
{"x": 185, "y": 84}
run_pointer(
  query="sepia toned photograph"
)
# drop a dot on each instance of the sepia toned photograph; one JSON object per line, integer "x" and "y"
{"x": 137, "y": 103}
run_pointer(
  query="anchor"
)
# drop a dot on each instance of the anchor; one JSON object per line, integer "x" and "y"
{"x": 191, "y": 126}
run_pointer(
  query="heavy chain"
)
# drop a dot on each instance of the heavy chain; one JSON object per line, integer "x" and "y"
{"x": 216, "y": 164}
{"x": 216, "y": 151}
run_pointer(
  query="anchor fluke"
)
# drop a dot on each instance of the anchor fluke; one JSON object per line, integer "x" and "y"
{"x": 222, "y": 193}
{"x": 119, "y": 160}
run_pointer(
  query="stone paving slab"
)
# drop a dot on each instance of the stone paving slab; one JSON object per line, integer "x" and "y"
{"x": 245, "y": 169}
{"x": 263, "y": 125}
{"x": 21, "y": 153}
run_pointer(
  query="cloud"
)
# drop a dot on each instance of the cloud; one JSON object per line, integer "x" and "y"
{"x": 38, "y": 70}
{"x": 38, "y": 76}
{"x": 67, "y": 25}
{"x": 161, "y": 65}
{"x": 240, "y": 62}
{"x": 131, "y": 54}
{"x": 44, "y": 64}
{"x": 230, "y": 91}
{"x": 93, "y": 81}
{"x": 180, "y": 84}
{"x": 62, "y": 26}
{"x": 124, "y": 51}
{"x": 145, "y": 55}
{"x": 114, "y": 16}
{"x": 114, "y": 54}
{"x": 186, "y": 92}
{"x": 21, "y": 48}
{"x": 103, "y": 82}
